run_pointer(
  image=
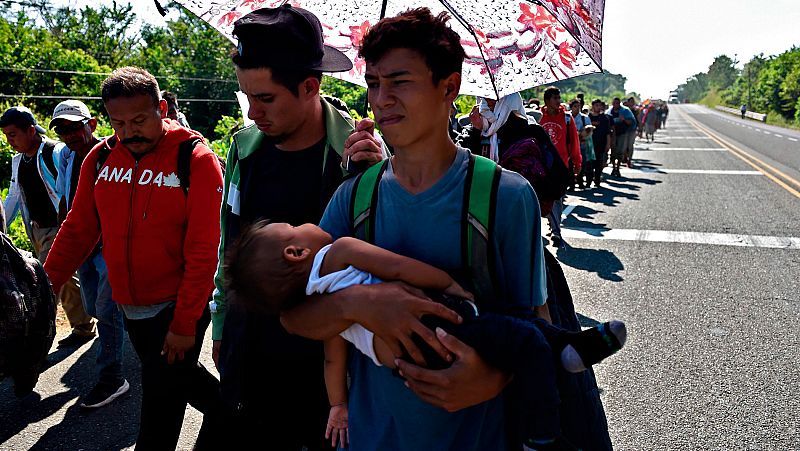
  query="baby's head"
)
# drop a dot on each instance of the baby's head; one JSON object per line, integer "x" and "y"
{"x": 267, "y": 268}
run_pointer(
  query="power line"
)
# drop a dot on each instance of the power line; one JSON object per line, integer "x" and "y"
{"x": 21, "y": 96}
{"x": 78, "y": 72}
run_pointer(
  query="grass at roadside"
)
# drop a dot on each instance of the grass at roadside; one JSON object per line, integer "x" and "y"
{"x": 712, "y": 99}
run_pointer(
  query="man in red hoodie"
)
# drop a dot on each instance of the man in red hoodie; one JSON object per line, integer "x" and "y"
{"x": 564, "y": 134}
{"x": 159, "y": 241}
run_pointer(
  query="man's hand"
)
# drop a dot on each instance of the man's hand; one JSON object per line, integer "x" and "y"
{"x": 457, "y": 290}
{"x": 392, "y": 312}
{"x": 469, "y": 381}
{"x": 363, "y": 144}
{"x": 475, "y": 117}
{"x": 215, "y": 347}
{"x": 176, "y": 345}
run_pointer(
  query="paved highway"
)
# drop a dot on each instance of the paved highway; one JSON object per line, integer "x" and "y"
{"x": 697, "y": 248}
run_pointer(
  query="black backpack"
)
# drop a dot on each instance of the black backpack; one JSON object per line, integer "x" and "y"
{"x": 27, "y": 316}
{"x": 539, "y": 162}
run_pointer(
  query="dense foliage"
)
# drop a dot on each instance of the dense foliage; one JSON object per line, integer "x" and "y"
{"x": 766, "y": 84}
{"x": 603, "y": 85}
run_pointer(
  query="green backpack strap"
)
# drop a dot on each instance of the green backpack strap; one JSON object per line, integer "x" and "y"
{"x": 477, "y": 224}
{"x": 364, "y": 201}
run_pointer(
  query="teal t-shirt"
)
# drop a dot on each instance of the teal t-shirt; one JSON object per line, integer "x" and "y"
{"x": 384, "y": 414}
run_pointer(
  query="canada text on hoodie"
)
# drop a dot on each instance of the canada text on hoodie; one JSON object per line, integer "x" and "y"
{"x": 159, "y": 243}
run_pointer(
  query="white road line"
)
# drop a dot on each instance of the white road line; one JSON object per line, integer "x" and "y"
{"x": 666, "y": 236}
{"x": 688, "y": 171}
{"x": 757, "y": 130}
{"x": 778, "y": 136}
{"x": 792, "y": 139}
{"x": 700, "y": 149}
{"x": 687, "y": 137}
{"x": 767, "y": 132}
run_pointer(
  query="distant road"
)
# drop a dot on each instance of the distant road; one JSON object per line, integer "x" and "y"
{"x": 776, "y": 146}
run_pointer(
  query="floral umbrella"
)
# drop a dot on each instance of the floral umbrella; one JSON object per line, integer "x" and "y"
{"x": 511, "y": 45}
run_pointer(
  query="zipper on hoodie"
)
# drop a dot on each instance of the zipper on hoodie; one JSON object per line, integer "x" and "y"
{"x": 131, "y": 278}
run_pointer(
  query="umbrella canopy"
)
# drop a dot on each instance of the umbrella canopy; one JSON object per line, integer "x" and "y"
{"x": 511, "y": 45}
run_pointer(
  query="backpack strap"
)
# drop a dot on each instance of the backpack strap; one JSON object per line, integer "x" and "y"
{"x": 47, "y": 155}
{"x": 364, "y": 201}
{"x": 185, "y": 150}
{"x": 103, "y": 153}
{"x": 477, "y": 224}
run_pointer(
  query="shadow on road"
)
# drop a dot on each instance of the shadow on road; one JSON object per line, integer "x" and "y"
{"x": 583, "y": 217}
{"x": 112, "y": 427}
{"x": 600, "y": 261}
{"x": 641, "y": 163}
{"x": 604, "y": 194}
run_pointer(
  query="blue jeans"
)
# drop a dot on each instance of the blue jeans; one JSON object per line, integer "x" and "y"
{"x": 555, "y": 217}
{"x": 96, "y": 294}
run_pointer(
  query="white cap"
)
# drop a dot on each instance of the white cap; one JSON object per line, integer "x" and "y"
{"x": 71, "y": 110}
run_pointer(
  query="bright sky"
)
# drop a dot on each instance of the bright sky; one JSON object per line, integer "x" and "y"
{"x": 658, "y": 44}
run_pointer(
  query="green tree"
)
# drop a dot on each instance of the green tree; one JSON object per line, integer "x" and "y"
{"x": 107, "y": 33}
{"x": 193, "y": 60}
{"x": 694, "y": 89}
{"x": 722, "y": 72}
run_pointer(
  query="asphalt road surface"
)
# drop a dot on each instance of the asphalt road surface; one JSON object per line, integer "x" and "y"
{"x": 699, "y": 252}
{"x": 697, "y": 248}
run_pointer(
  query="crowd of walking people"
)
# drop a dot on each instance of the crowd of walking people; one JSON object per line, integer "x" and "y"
{"x": 421, "y": 246}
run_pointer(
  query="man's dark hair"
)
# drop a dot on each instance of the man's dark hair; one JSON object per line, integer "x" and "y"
{"x": 550, "y": 92}
{"x": 170, "y": 97}
{"x": 616, "y": 99}
{"x": 631, "y": 99}
{"x": 257, "y": 276}
{"x": 418, "y": 30}
{"x": 288, "y": 77}
{"x": 574, "y": 101}
{"x": 130, "y": 81}
{"x": 595, "y": 101}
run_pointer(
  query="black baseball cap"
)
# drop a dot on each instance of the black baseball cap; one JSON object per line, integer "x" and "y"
{"x": 287, "y": 37}
{"x": 21, "y": 117}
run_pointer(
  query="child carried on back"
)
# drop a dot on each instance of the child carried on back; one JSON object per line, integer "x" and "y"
{"x": 273, "y": 265}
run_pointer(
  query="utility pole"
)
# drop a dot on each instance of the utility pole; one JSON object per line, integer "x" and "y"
{"x": 749, "y": 85}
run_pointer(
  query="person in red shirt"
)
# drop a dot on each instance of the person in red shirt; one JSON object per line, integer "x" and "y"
{"x": 564, "y": 134}
{"x": 160, "y": 238}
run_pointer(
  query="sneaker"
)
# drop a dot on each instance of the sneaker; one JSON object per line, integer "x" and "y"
{"x": 74, "y": 340}
{"x": 103, "y": 393}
